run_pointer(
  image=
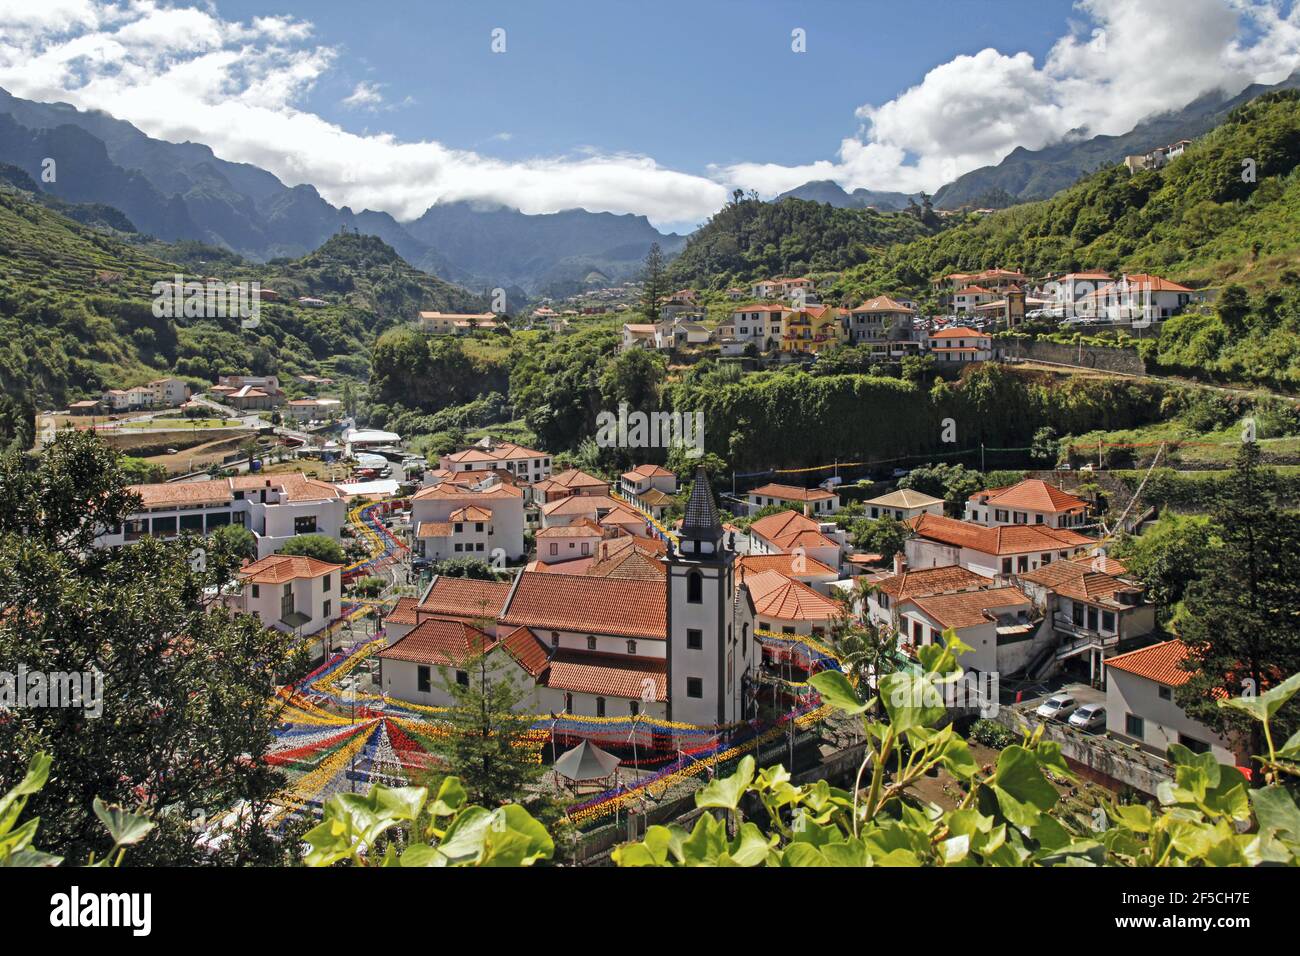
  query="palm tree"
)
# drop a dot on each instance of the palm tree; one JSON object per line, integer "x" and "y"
{"x": 866, "y": 651}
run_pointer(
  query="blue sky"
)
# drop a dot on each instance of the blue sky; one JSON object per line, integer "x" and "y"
{"x": 691, "y": 84}
{"x": 659, "y": 109}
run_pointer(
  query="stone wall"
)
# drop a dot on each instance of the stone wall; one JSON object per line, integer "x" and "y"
{"x": 1106, "y": 358}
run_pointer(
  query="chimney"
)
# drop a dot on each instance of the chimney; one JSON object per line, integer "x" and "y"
{"x": 899, "y": 564}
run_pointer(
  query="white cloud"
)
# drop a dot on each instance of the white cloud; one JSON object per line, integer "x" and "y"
{"x": 1132, "y": 59}
{"x": 364, "y": 96}
{"x": 182, "y": 73}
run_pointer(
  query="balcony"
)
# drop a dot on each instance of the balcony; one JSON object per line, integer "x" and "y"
{"x": 1083, "y": 638}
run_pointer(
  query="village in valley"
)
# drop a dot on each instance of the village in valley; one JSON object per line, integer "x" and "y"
{"x": 802, "y": 524}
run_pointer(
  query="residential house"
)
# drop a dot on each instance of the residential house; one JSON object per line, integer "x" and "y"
{"x": 571, "y": 482}
{"x": 291, "y": 592}
{"x": 960, "y": 344}
{"x": 569, "y": 541}
{"x": 999, "y": 624}
{"x": 793, "y": 533}
{"x": 485, "y": 521}
{"x": 966, "y": 300}
{"x": 638, "y": 335}
{"x": 991, "y": 551}
{"x": 274, "y": 508}
{"x": 457, "y": 323}
{"x": 762, "y": 324}
{"x": 902, "y": 583}
{"x": 1139, "y": 297}
{"x": 490, "y": 453}
{"x": 1140, "y": 704}
{"x": 649, "y": 487}
{"x": 903, "y": 504}
{"x": 1032, "y": 501}
{"x": 886, "y": 325}
{"x": 312, "y": 409}
{"x": 812, "y": 501}
{"x": 811, "y": 329}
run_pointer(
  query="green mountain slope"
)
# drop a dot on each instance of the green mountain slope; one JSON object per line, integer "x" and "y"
{"x": 1197, "y": 220}
{"x": 749, "y": 239}
{"x": 76, "y": 309}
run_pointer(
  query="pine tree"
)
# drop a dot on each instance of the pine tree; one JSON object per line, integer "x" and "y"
{"x": 654, "y": 282}
{"x": 1243, "y": 615}
{"x": 489, "y": 746}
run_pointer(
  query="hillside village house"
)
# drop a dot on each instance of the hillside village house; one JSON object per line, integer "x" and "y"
{"x": 559, "y": 543}
{"x": 967, "y": 300}
{"x": 312, "y": 409}
{"x": 811, "y": 329}
{"x": 759, "y": 323}
{"x": 902, "y": 583}
{"x": 570, "y": 482}
{"x": 682, "y": 330}
{"x": 1032, "y": 501}
{"x": 678, "y": 645}
{"x": 1093, "y": 611}
{"x": 784, "y": 605}
{"x": 291, "y": 592}
{"x": 903, "y": 504}
{"x": 991, "y": 551}
{"x": 811, "y": 501}
{"x": 886, "y": 325}
{"x": 1139, "y": 297}
{"x": 451, "y": 520}
{"x": 960, "y": 344}
{"x": 1069, "y": 290}
{"x": 998, "y": 623}
{"x": 490, "y": 453}
{"x": 649, "y": 487}
{"x": 638, "y": 336}
{"x": 458, "y": 323}
{"x": 797, "y": 567}
{"x": 1140, "y": 705}
{"x": 274, "y": 508}
{"x": 790, "y": 532}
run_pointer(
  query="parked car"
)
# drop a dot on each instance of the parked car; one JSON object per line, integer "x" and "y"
{"x": 1089, "y": 717}
{"x": 1057, "y": 707}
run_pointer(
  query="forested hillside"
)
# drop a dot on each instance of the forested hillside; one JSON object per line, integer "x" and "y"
{"x": 1197, "y": 220}
{"x": 748, "y": 239}
{"x": 76, "y": 310}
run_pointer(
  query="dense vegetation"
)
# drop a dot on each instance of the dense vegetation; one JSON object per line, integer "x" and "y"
{"x": 1196, "y": 219}
{"x": 748, "y": 239}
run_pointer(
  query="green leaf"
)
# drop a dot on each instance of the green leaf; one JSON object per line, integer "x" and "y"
{"x": 803, "y": 854}
{"x": 1265, "y": 705}
{"x": 451, "y": 797}
{"x": 911, "y": 700}
{"x": 726, "y": 792}
{"x": 836, "y": 690}
{"x": 1276, "y": 811}
{"x": 126, "y": 828}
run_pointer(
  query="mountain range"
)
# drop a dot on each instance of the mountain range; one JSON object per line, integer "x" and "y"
{"x": 183, "y": 191}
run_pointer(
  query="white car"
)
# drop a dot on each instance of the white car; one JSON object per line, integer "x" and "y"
{"x": 1056, "y": 707}
{"x": 1089, "y": 717}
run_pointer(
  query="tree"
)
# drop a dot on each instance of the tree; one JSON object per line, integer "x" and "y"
{"x": 185, "y": 701}
{"x": 952, "y": 482}
{"x": 1045, "y": 447}
{"x": 319, "y": 546}
{"x": 1233, "y": 307}
{"x": 883, "y": 536}
{"x": 654, "y": 282}
{"x": 1168, "y": 556}
{"x": 1243, "y": 614}
{"x": 464, "y": 568}
{"x": 236, "y": 539}
{"x": 488, "y": 745}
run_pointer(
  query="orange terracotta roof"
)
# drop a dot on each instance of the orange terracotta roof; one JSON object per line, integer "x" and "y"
{"x": 563, "y": 602}
{"x": 404, "y": 612}
{"x": 608, "y": 676}
{"x": 464, "y": 597}
{"x": 792, "y": 493}
{"x": 1032, "y": 494}
{"x": 433, "y": 529}
{"x": 649, "y": 471}
{"x": 1003, "y": 539}
{"x": 574, "y": 478}
{"x": 439, "y": 643}
{"x": 629, "y": 564}
{"x": 505, "y": 451}
{"x": 580, "y": 505}
{"x": 959, "y": 331}
{"x": 181, "y": 493}
{"x": 942, "y": 580}
{"x": 775, "y": 595}
{"x": 1159, "y": 663}
{"x": 582, "y": 528}
{"x": 791, "y": 565}
{"x": 1079, "y": 582}
{"x": 450, "y": 490}
{"x": 278, "y": 568}
{"x": 1108, "y": 564}
{"x": 470, "y": 513}
{"x": 967, "y": 608}
{"x": 883, "y": 303}
{"x": 530, "y": 653}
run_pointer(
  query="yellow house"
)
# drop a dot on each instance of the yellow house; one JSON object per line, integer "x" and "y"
{"x": 811, "y": 329}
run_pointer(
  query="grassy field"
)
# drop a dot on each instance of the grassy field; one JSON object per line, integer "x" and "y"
{"x": 1214, "y": 447}
{"x": 183, "y": 424}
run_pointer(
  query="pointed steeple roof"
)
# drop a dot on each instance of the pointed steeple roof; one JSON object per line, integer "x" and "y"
{"x": 701, "y": 521}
